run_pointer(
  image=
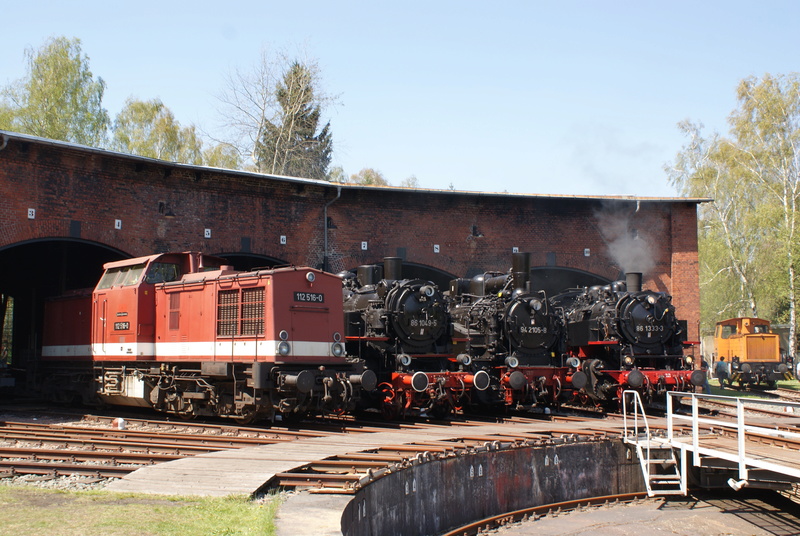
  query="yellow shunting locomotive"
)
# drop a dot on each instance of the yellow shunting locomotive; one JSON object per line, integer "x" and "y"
{"x": 752, "y": 350}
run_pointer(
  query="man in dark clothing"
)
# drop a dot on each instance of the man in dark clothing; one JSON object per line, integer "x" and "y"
{"x": 721, "y": 371}
{"x": 704, "y": 368}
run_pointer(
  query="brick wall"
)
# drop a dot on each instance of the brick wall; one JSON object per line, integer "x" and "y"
{"x": 80, "y": 193}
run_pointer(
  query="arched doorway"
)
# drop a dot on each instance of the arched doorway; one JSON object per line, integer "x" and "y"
{"x": 31, "y": 272}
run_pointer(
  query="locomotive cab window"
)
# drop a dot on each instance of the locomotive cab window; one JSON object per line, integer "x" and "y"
{"x": 761, "y": 328}
{"x": 162, "y": 272}
{"x": 107, "y": 281}
{"x": 726, "y": 331}
{"x": 121, "y": 277}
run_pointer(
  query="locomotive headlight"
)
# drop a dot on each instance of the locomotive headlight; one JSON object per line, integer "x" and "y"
{"x": 689, "y": 359}
{"x": 310, "y": 277}
{"x": 651, "y": 299}
{"x": 404, "y": 360}
{"x": 536, "y": 305}
{"x": 464, "y": 359}
{"x": 284, "y": 348}
{"x": 512, "y": 362}
{"x": 284, "y": 335}
{"x": 337, "y": 349}
{"x": 628, "y": 360}
{"x": 337, "y": 337}
{"x": 427, "y": 291}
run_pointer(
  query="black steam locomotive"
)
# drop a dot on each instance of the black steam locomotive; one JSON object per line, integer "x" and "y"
{"x": 513, "y": 331}
{"x": 625, "y": 338}
{"x": 402, "y": 329}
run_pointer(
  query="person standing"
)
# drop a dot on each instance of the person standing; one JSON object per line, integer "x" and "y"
{"x": 704, "y": 368}
{"x": 721, "y": 371}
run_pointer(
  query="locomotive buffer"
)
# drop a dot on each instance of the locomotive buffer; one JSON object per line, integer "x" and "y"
{"x": 722, "y": 452}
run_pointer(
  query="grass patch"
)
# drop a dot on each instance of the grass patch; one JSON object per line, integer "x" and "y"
{"x": 790, "y": 384}
{"x": 29, "y": 511}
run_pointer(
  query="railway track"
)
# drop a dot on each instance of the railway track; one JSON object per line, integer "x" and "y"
{"x": 490, "y": 524}
{"x": 93, "y": 446}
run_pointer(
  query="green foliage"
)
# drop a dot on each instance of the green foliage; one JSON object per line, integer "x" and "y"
{"x": 337, "y": 174}
{"x": 148, "y": 128}
{"x": 290, "y": 144}
{"x": 748, "y": 233}
{"x": 369, "y": 177}
{"x": 59, "y": 98}
{"x": 222, "y": 155}
{"x": 410, "y": 182}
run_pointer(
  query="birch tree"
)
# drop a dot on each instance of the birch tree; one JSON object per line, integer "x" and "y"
{"x": 148, "y": 128}
{"x": 59, "y": 98}
{"x": 748, "y": 233}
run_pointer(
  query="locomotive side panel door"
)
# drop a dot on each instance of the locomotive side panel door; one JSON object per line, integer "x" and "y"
{"x": 239, "y": 311}
{"x": 184, "y": 328}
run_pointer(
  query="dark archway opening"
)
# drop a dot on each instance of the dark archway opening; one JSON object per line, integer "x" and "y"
{"x": 246, "y": 262}
{"x": 31, "y": 272}
{"x": 412, "y": 270}
{"x": 556, "y": 280}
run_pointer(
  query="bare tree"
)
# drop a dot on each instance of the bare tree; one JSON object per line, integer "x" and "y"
{"x": 250, "y": 103}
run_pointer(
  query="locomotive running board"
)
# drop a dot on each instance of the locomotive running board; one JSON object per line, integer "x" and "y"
{"x": 663, "y": 473}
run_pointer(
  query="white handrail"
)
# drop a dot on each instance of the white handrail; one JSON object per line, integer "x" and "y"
{"x": 740, "y": 427}
{"x": 637, "y": 406}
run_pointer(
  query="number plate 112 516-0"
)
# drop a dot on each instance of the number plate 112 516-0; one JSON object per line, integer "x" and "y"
{"x": 309, "y": 297}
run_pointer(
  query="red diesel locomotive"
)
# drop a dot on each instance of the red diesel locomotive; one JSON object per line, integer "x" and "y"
{"x": 186, "y": 334}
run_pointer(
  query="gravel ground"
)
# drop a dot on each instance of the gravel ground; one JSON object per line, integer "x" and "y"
{"x": 65, "y": 483}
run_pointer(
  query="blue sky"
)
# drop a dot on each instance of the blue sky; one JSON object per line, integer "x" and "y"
{"x": 568, "y": 97}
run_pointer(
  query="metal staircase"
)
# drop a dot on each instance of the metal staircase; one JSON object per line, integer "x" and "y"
{"x": 664, "y": 473}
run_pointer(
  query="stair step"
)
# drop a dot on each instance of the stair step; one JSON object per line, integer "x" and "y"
{"x": 664, "y": 479}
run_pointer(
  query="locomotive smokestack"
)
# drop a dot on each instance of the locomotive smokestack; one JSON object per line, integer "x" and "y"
{"x": 520, "y": 269}
{"x": 392, "y": 268}
{"x": 633, "y": 281}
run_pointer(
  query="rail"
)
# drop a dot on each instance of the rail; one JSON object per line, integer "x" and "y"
{"x": 740, "y": 429}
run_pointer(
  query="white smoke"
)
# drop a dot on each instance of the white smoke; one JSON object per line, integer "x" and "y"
{"x": 630, "y": 244}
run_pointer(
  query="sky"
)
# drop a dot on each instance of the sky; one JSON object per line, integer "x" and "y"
{"x": 560, "y": 97}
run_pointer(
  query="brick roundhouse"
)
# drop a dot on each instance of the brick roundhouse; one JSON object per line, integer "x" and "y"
{"x": 67, "y": 209}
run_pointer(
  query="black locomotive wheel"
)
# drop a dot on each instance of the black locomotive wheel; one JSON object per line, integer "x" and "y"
{"x": 441, "y": 411}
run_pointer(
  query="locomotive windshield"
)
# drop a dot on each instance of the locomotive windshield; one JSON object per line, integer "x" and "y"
{"x": 121, "y": 277}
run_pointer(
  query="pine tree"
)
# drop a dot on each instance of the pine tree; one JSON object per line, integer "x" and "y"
{"x": 291, "y": 145}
